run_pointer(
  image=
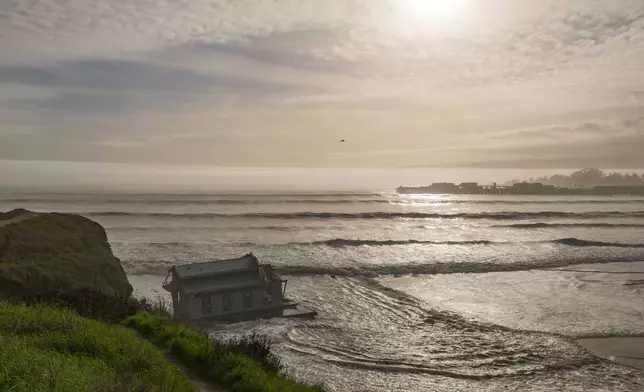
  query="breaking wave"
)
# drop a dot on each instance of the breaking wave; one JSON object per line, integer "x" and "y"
{"x": 211, "y": 229}
{"x": 220, "y": 198}
{"x": 583, "y": 243}
{"x": 292, "y": 198}
{"x": 374, "y": 271}
{"x": 542, "y": 225}
{"x": 515, "y": 202}
{"x": 510, "y": 215}
{"x": 160, "y": 267}
{"x": 343, "y": 242}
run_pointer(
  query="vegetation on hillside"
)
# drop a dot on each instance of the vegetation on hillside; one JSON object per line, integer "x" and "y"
{"x": 215, "y": 361}
{"x": 43, "y": 349}
{"x": 98, "y": 305}
{"x": 50, "y": 252}
{"x": 13, "y": 214}
{"x": 64, "y": 303}
{"x": 589, "y": 178}
{"x": 244, "y": 360}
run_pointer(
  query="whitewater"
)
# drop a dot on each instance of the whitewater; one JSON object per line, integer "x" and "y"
{"x": 414, "y": 293}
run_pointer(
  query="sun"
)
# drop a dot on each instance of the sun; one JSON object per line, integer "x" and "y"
{"x": 433, "y": 10}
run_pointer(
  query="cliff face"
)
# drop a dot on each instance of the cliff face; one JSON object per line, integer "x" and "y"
{"x": 43, "y": 252}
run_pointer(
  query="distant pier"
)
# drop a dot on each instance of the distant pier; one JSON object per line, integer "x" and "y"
{"x": 523, "y": 188}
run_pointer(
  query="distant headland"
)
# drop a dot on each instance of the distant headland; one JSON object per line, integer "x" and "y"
{"x": 581, "y": 182}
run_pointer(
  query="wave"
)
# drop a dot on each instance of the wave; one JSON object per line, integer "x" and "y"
{"x": 299, "y": 201}
{"x": 219, "y": 198}
{"x": 161, "y": 266}
{"x": 348, "y": 243}
{"x": 541, "y": 225}
{"x": 211, "y": 229}
{"x": 288, "y": 198}
{"x": 186, "y": 202}
{"x": 634, "y": 283}
{"x": 516, "y": 202}
{"x": 374, "y": 271}
{"x": 585, "y": 243}
{"x": 342, "y": 243}
{"x": 404, "y": 367}
{"x": 509, "y": 215}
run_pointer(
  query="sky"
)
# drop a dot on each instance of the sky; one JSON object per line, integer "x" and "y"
{"x": 409, "y": 84}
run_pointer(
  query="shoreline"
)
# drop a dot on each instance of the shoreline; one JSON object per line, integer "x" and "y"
{"x": 626, "y": 351}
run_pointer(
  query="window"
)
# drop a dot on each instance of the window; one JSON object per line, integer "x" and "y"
{"x": 268, "y": 297}
{"x": 227, "y": 302}
{"x": 206, "y": 304}
{"x": 248, "y": 299}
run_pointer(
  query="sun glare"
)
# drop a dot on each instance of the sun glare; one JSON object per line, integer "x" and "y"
{"x": 433, "y": 10}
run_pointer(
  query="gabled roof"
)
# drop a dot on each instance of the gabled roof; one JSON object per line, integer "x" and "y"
{"x": 245, "y": 262}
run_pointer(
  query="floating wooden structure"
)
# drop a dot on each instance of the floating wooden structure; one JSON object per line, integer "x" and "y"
{"x": 230, "y": 290}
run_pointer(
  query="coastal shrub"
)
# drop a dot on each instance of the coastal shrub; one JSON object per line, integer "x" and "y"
{"x": 43, "y": 348}
{"x": 221, "y": 363}
{"x": 93, "y": 304}
{"x": 258, "y": 348}
{"x": 12, "y": 214}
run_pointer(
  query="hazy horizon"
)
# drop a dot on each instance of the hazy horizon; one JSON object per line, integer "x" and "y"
{"x": 16, "y": 176}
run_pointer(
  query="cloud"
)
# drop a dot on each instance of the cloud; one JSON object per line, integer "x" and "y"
{"x": 272, "y": 82}
{"x": 297, "y": 49}
{"x": 611, "y": 145}
{"x": 108, "y": 87}
{"x": 93, "y": 28}
{"x": 106, "y": 74}
{"x": 112, "y": 75}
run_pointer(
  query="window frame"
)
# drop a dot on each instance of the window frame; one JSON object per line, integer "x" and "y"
{"x": 227, "y": 302}
{"x": 268, "y": 297}
{"x": 248, "y": 299}
{"x": 206, "y": 304}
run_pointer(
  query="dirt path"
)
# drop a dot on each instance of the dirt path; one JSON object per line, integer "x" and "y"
{"x": 198, "y": 382}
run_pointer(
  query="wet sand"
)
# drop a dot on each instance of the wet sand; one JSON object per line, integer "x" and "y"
{"x": 627, "y": 351}
{"x": 582, "y": 301}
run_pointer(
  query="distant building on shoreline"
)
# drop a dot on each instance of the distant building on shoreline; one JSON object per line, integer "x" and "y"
{"x": 522, "y": 188}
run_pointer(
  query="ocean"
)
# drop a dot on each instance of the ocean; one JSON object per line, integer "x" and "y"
{"x": 413, "y": 293}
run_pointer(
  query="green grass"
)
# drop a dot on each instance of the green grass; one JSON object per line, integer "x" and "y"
{"x": 53, "y": 261}
{"x": 97, "y": 305}
{"x": 43, "y": 348}
{"x": 213, "y": 361}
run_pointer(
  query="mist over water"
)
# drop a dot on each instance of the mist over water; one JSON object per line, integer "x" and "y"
{"x": 391, "y": 277}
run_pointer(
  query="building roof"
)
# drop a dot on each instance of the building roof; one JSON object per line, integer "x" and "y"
{"x": 210, "y": 284}
{"x": 245, "y": 262}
